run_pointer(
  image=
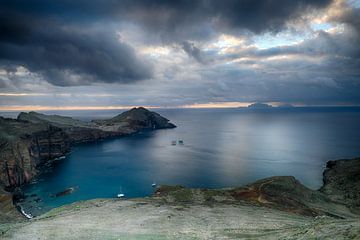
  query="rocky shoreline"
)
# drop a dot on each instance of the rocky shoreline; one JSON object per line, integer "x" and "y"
{"x": 339, "y": 197}
{"x": 272, "y": 208}
{"x": 34, "y": 140}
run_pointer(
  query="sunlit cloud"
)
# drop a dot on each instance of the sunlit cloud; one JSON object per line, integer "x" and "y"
{"x": 154, "y": 51}
{"x": 63, "y": 108}
{"x": 217, "y": 105}
{"x": 57, "y": 94}
{"x": 281, "y": 39}
{"x": 22, "y": 94}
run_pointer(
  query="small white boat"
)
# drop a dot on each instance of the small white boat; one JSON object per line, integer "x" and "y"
{"x": 181, "y": 142}
{"x": 153, "y": 185}
{"x": 121, "y": 195}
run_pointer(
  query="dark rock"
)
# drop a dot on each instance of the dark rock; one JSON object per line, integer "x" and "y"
{"x": 18, "y": 194}
{"x": 8, "y": 211}
{"x": 66, "y": 192}
{"x": 342, "y": 182}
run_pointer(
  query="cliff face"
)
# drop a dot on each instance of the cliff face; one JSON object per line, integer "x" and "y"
{"x": 21, "y": 153}
{"x": 8, "y": 212}
{"x": 34, "y": 139}
{"x": 342, "y": 182}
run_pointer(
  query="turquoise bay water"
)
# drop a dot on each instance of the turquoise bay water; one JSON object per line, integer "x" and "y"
{"x": 222, "y": 148}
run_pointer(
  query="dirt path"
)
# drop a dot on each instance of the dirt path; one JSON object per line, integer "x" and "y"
{"x": 261, "y": 198}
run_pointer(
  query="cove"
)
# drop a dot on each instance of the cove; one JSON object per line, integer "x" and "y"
{"x": 221, "y": 148}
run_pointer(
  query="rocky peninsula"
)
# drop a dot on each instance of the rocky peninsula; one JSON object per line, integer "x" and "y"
{"x": 34, "y": 139}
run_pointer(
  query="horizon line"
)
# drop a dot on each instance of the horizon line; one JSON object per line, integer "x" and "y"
{"x": 121, "y": 107}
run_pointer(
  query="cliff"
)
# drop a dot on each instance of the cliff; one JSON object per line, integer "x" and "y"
{"x": 24, "y": 146}
{"x": 342, "y": 182}
{"x": 128, "y": 122}
{"x": 77, "y": 131}
{"x": 34, "y": 139}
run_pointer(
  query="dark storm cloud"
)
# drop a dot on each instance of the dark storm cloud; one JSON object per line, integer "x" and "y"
{"x": 73, "y": 42}
{"x": 57, "y": 52}
{"x": 64, "y": 52}
{"x": 193, "y": 51}
{"x": 349, "y": 16}
{"x": 190, "y": 20}
{"x": 162, "y": 16}
{"x": 256, "y": 16}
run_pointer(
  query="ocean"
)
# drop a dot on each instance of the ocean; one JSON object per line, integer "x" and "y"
{"x": 221, "y": 148}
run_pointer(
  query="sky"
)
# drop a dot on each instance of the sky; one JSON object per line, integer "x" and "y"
{"x": 93, "y": 54}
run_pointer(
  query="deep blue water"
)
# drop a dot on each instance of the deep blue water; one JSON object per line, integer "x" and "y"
{"x": 222, "y": 148}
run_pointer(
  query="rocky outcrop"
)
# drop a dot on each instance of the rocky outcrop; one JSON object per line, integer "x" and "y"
{"x": 338, "y": 198}
{"x": 342, "y": 182}
{"x": 134, "y": 120}
{"x": 288, "y": 194}
{"x": 65, "y": 192}
{"x": 128, "y": 122}
{"x": 282, "y": 193}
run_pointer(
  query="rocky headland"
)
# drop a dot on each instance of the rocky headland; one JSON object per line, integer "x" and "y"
{"x": 35, "y": 139}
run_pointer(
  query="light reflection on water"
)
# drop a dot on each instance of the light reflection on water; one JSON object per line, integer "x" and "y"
{"x": 228, "y": 147}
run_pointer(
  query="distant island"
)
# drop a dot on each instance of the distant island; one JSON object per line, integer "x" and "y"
{"x": 260, "y": 106}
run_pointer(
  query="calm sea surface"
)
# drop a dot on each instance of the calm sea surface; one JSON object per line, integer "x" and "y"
{"x": 222, "y": 148}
